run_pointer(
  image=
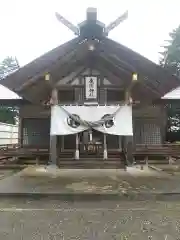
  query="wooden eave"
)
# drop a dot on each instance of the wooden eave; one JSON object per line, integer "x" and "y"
{"x": 151, "y": 74}
{"x": 38, "y": 66}
{"x": 13, "y": 102}
{"x": 118, "y": 60}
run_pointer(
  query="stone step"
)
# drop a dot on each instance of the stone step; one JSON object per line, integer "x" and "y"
{"x": 164, "y": 161}
{"x": 90, "y": 164}
{"x": 96, "y": 160}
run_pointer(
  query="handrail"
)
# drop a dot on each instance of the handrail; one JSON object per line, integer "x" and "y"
{"x": 156, "y": 145}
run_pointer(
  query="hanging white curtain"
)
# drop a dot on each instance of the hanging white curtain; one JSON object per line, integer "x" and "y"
{"x": 59, "y": 123}
{"x": 121, "y": 123}
{"x": 91, "y": 116}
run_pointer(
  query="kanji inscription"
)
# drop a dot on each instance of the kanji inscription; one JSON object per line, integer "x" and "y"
{"x": 91, "y": 87}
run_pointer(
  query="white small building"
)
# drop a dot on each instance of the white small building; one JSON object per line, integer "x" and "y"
{"x": 174, "y": 95}
{"x": 8, "y": 132}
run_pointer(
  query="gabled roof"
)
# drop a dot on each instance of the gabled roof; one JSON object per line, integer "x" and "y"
{"x": 173, "y": 95}
{"x": 5, "y": 94}
{"x": 154, "y": 75}
{"x": 38, "y": 66}
{"x": 153, "y": 81}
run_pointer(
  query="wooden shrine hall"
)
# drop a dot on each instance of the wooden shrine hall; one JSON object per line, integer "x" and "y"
{"x": 90, "y": 99}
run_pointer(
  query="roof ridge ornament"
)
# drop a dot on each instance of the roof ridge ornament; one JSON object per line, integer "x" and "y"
{"x": 91, "y": 19}
{"x": 116, "y": 23}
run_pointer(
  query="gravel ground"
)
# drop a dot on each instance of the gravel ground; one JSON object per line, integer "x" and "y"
{"x": 50, "y": 219}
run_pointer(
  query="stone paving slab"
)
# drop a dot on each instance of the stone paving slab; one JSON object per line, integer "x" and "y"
{"x": 89, "y": 182}
{"x": 173, "y": 169}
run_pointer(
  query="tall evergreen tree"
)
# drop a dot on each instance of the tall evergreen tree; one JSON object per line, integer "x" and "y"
{"x": 171, "y": 55}
{"x": 170, "y": 59}
{"x": 8, "y": 66}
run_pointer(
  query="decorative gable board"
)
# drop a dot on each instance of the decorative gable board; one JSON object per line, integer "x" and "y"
{"x": 86, "y": 72}
{"x": 106, "y": 82}
{"x": 76, "y": 81}
{"x": 67, "y": 79}
{"x": 73, "y": 79}
{"x": 95, "y": 72}
{"x": 89, "y": 71}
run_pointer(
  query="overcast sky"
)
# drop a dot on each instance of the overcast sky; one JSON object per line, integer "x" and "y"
{"x": 29, "y": 27}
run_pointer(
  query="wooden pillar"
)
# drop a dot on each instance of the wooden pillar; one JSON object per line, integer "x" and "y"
{"x": 77, "y": 147}
{"x": 130, "y": 147}
{"x": 53, "y": 139}
{"x": 105, "y": 153}
{"x": 120, "y": 143}
{"x": 53, "y": 150}
{"x": 90, "y": 136}
{"x": 20, "y": 132}
{"x": 62, "y": 143}
{"x": 163, "y": 119}
{"x": 124, "y": 150}
{"x": 128, "y": 140}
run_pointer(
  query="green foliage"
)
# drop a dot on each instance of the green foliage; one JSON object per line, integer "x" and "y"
{"x": 8, "y": 115}
{"x": 171, "y": 60}
{"x": 8, "y": 66}
{"x": 171, "y": 55}
{"x": 173, "y": 112}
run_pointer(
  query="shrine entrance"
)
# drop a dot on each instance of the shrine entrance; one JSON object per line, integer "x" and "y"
{"x": 91, "y": 144}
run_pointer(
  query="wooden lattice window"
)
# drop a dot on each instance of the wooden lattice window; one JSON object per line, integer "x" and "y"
{"x": 35, "y": 132}
{"x": 152, "y": 133}
{"x": 146, "y": 132}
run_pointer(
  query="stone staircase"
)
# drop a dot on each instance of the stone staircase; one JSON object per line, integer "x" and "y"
{"x": 88, "y": 160}
{"x": 91, "y": 161}
{"x": 33, "y": 161}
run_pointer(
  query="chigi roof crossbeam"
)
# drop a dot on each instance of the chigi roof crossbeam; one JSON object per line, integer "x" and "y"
{"x": 91, "y": 27}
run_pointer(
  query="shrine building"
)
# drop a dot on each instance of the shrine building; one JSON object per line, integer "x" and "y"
{"x": 90, "y": 101}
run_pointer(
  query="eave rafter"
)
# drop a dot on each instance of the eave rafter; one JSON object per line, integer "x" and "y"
{"x": 36, "y": 67}
{"x": 103, "y": 49}
{"x": 72, "y": 50}
{"x": 69, "y": 59}
{"x": 115, "y": 69}
{"x": 41, "y": 90}
{"x": 121, "y": 69}
{"x": 109, "y": 75}
{"x": 71, "y": 77}
{"x": 157, "y": 76}
{"x": 142, "y": 79}
{"x": 125, "y": 69}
